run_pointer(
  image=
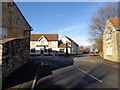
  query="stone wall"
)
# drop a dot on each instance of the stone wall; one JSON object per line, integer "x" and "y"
{"x": 118, "y": 46}
{"x": 112, "y": 42}
{"x": 15, "y": 53}
{"x": 0, "y": 55}
{"x": 14, "y": 21}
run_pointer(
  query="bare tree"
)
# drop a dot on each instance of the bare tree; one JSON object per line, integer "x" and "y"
{"x": 98, "y": 22}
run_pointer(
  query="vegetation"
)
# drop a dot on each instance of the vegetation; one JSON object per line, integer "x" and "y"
{"x": 84, "y": 50}
{"x": 98, "y": 22}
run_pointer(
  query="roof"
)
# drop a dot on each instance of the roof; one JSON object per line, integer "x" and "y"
{"x": 115, "y": 22}
{"x": 63, "y": 45}
{"x": 49, "y": 37}
{"x": 71, "y": 40}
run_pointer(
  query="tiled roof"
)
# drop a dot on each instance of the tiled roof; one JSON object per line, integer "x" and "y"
{"x": 63, "y": 45}
{"x": 72, "y": 40}
{"x": 115, "y": 22}
{"x": 49, "y": 37}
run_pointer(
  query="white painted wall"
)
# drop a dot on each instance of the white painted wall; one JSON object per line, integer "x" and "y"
{"x": 53, "y": 44}
{"x": 74, "y": 48}
{"x": 64, "y": 40}
{"x": 32, "y": 44}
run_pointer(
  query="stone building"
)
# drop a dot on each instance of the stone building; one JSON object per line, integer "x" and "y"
{"x": 111, "y": 40}
{"x": 14, "y": 23}
{"x": 14, "y": 38}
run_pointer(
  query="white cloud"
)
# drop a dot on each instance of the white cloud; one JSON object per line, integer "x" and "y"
{"x": 82, "y": 40}
{"x": 78, "y": 33}
{"x": 69, "y": 29}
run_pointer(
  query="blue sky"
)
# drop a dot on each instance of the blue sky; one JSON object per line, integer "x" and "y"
{"x": 63, "y": 18}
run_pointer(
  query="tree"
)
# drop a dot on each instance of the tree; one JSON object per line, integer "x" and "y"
{"x": 98, "y": 22}
{"x": 86, "y": 50}
{"x": 81, "y": 48}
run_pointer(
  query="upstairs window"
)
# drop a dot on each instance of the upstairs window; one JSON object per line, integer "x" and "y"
{"x": 61, "y": 50}
{"x": 42, "y": 42}
{"x": 109, "y": 35}
{"x": 3, "y": 32}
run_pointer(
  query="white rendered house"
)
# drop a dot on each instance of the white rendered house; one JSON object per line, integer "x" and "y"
{"x": 43, "y": 43}
{"x": 74, "y": 47}
{"x": 48, "y": 44}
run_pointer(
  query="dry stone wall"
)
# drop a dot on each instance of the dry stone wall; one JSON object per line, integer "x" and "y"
{"x": 15, "y": 53}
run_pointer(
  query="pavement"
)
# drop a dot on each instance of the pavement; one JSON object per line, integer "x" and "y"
{"x": 107, "y": 62}
{"x": 0, "y": 77}
{"x": 64, "y": 72}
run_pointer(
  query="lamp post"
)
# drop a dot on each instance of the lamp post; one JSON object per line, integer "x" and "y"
{"x": 67, "y": 43}
{"x": 66, "y": 48}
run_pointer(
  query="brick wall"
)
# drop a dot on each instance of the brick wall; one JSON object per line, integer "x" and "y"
{"x": 15, "y": 53}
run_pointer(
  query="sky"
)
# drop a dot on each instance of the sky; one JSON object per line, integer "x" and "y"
{"x": 63, "y": 18}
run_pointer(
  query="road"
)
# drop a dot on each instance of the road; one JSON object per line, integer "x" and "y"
{"x": 64, "y": 72}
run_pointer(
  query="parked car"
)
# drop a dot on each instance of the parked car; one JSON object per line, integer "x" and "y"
{"x": 92, "y": 54}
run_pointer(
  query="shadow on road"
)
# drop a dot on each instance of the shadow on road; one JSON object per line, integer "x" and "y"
{"x": 22, "y": 77}
{"x": 53, "y": 63}
{"x": 77, "y": 79}
{"x": 70, "y": 78}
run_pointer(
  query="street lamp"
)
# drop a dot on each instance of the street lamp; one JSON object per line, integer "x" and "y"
{"x": 67, "y": 43}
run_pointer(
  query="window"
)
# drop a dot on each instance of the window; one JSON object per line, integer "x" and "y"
{"x": 45, "y": 49}
{"x": 3, "y": 33}
{"x": 38, "y": 45}
{"x": 109, "y": 50}
{"x": 108, "y": 34}
{"x": 61, "y": 50}
{"x": 33, "y": 50}
{"x": 42, "y": 42}
{"x": 50, "y": 50}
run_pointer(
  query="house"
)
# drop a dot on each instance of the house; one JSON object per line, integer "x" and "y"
{"x": 44, "y": 43}
{"x": 47, "y": 44}
{"x": 63, "y": 48}
{"x": 74, "y": 47}
{"x": 14, "y": 39}
{"x": 111, "y": 40}
{"x": 14, "y": 24}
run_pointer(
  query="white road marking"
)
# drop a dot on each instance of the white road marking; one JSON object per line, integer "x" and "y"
{"x": 42, "y": 63}
{"x": 89, "y": 74}
{"x": 35, "y": 79}
{"x": 33, "y": 84}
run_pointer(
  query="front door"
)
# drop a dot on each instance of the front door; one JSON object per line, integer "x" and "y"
{"x": 42, "y": 51}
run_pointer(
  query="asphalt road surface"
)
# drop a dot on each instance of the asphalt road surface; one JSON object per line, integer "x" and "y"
{"x": 64, "y": 72}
